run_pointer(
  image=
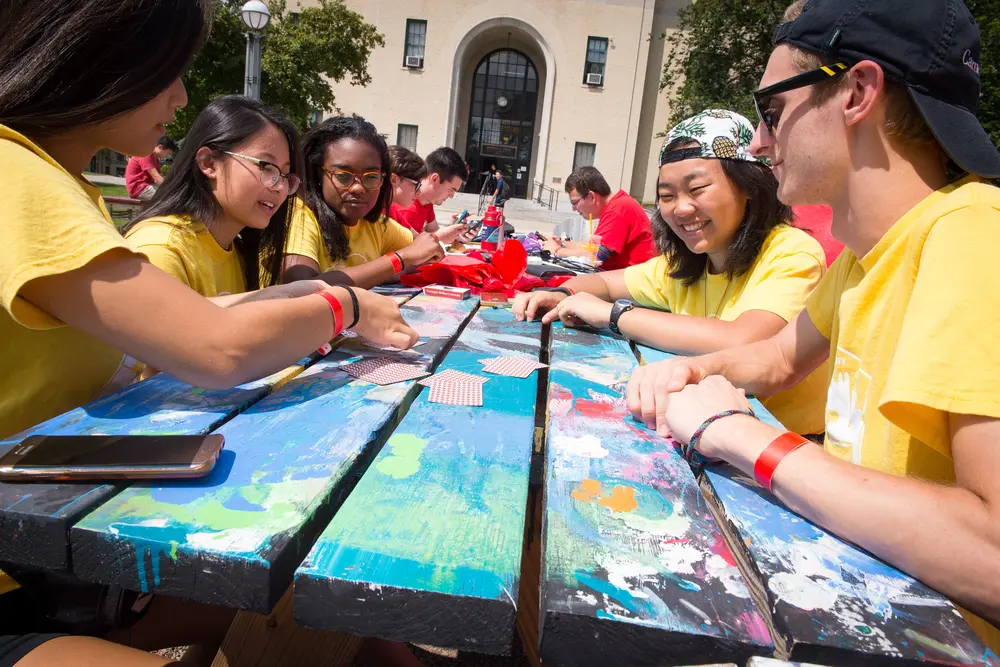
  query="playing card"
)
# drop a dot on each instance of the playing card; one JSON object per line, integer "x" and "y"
{"x": 428, "y": 330}
{"x": 456, "y": 392}
{"x": 383, "y": 370}
{"x": 452, "y": 376}
{"x": 520, "y": 367}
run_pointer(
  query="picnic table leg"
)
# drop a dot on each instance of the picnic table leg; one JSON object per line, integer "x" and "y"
{"x": 256, "y": 640}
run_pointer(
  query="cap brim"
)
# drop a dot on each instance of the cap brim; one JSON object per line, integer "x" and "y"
{"x": 960, "y": 134}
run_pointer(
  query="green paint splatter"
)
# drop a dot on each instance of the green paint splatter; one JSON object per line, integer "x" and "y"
{"x": 863, "y": 629}
{"x": 405, "y": 458}
{"x": 173, "y": 550}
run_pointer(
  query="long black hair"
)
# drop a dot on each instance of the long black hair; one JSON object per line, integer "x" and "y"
{"x": 314, "y": 146}
{"x": 66, "y": 64}
{"x": 224, "y": 125}
{"x": 764, "y": 212}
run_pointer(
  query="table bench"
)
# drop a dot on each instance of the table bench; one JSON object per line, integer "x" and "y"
{"x": 393, "y": 517}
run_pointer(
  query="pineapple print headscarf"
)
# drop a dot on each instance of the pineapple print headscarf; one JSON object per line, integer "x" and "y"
{"x": 720, "y": 133}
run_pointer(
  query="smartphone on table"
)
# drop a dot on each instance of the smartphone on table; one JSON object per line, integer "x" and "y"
{"x": 110, "y": 457}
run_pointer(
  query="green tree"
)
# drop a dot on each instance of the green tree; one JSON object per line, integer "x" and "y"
{"x": 301, "y": 51}
{"x": 722, "y": 48}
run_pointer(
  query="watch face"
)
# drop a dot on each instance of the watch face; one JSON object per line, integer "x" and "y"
{"x": 623, "y": 303}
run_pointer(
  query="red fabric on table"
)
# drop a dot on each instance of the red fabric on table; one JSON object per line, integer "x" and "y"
{"x": 815, "y": 220}
{"x": 625, "y": 230}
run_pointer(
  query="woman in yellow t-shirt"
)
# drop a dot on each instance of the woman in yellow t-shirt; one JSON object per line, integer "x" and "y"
{"x": 732, "y": 270}
{"x": 75, "y": 297}
{"x": 340, "y": 233}
{"x": 215, "y": 224}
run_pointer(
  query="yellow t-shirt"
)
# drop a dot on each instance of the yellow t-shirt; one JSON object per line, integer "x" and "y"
{"x": 912, "y": 328}
{"x": 187, "y": 250}
{"x": 789, "y": 266}
{"x": 368, "y": 240}
{"x": 51, "y": 223}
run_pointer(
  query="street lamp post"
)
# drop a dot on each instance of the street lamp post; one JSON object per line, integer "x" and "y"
{"x": 256, "y": 17}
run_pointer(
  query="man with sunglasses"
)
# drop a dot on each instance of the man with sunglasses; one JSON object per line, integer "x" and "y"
{"x": 446, "y": 172}
{"x": 869, "y": 106}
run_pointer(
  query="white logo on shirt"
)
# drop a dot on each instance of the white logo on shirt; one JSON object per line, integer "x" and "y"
{"x": 846, "y": 403}
{"x": 970, "y": 62}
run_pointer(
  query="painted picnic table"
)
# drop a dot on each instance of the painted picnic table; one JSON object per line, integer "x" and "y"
{"x": 403, "y": 519}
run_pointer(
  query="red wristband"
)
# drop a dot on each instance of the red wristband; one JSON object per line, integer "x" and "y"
{"x": 338, "y": 312}
{"x": 767, "y": 462}
{"x": 397, "y": 262}
{"x": 435, "y": 237}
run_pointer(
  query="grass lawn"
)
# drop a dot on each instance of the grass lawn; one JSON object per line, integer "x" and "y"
{"x": 112, "y": 190}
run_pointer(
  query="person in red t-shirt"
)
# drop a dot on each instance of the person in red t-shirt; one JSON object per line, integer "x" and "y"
{"x": 623, "y": 225}
{"x": 815, "y": 220}
{"x": 446, "y": 172}
{"x": 142, "y": 174}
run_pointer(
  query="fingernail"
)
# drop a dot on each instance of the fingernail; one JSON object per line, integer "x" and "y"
{"x": 662, "y": 431}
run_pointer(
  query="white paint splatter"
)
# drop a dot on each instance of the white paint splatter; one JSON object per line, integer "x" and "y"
{"x": 171, "y": 416}
{"x": 587, "y": 446}
{"x": 680, "y": 558}
{"x": 629, "y": 576}
{"x": 587, "y": 598}
{"x": 800, "y": 591}
{"x": 716, "y": 566}
{"x": 676, "y": 525}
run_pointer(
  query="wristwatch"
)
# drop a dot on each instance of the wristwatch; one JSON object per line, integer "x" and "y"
{"x": 621, "y": 307}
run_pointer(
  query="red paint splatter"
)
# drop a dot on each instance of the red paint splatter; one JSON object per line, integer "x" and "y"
{"x": 596, "y": 408}
{"x": 719, "y": 548}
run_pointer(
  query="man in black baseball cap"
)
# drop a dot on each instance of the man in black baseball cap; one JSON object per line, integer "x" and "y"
{"x": 869, "y": 106}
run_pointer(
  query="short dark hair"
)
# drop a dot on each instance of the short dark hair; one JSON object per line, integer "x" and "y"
{"x": 586, "y": 180}
{"x": 405, "y": 163}
{"x": 167, "y": 142}
{"x": 764, "y": 212}
{"x": 446, "y": 163}
{"x": 61, "y": 61}
{"x": 314, "y": 145}
{"x": 224, "y": 125}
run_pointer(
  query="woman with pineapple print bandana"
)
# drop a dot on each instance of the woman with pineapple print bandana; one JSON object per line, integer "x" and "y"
{"x": 731, "y": 269}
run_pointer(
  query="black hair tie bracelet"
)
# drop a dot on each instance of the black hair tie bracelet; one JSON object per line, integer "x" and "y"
{"x": 357, "y": 308}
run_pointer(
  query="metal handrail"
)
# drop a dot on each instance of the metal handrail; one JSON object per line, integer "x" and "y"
{"x": 544, "y": 195}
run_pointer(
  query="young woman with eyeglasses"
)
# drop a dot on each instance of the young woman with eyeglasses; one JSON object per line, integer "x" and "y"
{"x": 218, "y": 223}
{"x": 340, "y": 232}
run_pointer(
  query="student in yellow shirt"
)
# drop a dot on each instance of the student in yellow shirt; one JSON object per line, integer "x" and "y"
{"x": 909, "y": 313}
{"x": 75, "y": 297}
{"x": 340, "y": 233}
{"x": 732, "y": 270}
{"x": 220, "y": 220}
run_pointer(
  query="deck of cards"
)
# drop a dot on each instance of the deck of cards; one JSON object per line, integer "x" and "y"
{"x": 447, "y": 291}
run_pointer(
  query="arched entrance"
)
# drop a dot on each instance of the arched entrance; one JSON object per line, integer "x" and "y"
{"x": 502, "y": 108}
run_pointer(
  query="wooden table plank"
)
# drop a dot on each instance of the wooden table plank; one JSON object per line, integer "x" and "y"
{"x": 832, "y": 602}
{"x": 35, "y": 518}
{"x": 235, "y": 537}
{"x": 427, "y": 549}
{"x": 635, "y": 569}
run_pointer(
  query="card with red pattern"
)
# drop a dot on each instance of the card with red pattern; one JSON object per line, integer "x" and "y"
{"x": 451, "y": 375}
{"x": 456, "y": 392}
{"x": 384, "y": 370}
{"x": 520, "y": 367}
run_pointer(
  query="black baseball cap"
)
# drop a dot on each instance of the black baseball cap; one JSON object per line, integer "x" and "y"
{"x": 930, "y": 46}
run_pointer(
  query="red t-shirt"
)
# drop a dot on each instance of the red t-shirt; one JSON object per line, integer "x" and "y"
{"x": 815, "y": 220}
{"x": 136, "y": 176}
{"x": 625, "y": 230}
{"x": 414, "y": 216}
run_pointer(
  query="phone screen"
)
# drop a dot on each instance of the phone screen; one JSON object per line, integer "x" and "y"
{"x": 72, "y": 451}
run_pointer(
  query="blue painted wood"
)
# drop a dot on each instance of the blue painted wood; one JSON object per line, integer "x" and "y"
{"x": 35, "y": 518}
{"x": 635, "y": 569}
{"x": 831, "y": 601}
{"x": 235, "y": 537}
{"x": 427, "y": 548}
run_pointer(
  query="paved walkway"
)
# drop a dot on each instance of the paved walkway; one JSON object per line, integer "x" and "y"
{"x": 525, "y": 215}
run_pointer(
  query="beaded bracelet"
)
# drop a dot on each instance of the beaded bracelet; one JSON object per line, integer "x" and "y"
{"x": 692, "y": 445}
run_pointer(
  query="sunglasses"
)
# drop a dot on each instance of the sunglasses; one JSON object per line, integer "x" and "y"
{"x": 270, "y": 175}
{"x": 762, "y": 98}
{"x": 344, "y": 179}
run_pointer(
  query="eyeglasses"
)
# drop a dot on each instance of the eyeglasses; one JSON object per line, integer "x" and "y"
{"x": 270, "y": 175}
{"x": 762, "y": 98}
{"x": 344, "y": 179}
{"x": 416, "y": 184}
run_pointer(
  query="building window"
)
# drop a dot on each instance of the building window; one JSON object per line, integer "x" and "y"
{"x": 583, "y": 155}
{"x": 416, "y": 40}
{"x": 406, "y": 136}
{"x": 597, "y": 57}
